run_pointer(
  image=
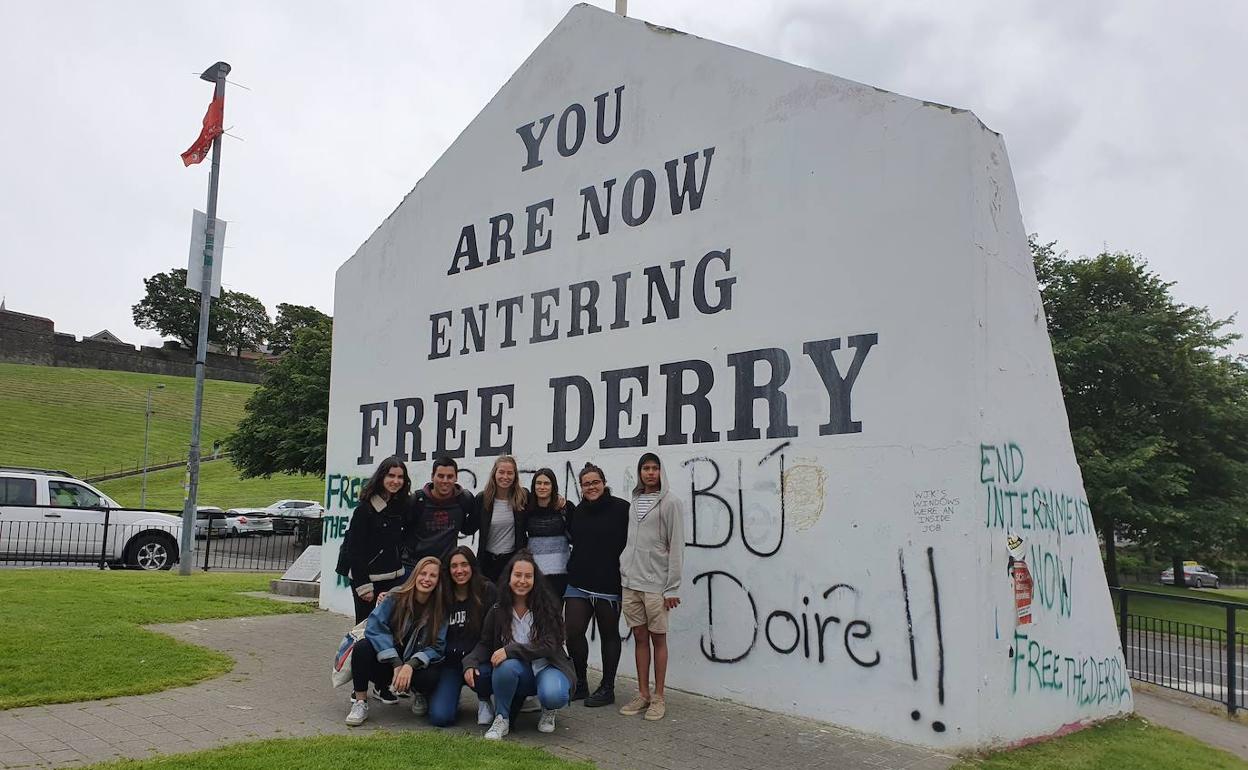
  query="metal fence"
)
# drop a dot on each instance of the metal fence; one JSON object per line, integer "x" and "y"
{"x": 1202, "y": 655}
{"x": 54, "y": 535}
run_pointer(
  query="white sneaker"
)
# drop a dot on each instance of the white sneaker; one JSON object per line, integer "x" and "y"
{"x": 530, "y": 705}
{"x": 498, "y": 730}
{"x": 358, "y": 713}
{"x": 420, "y": 705}
{"x": 485, "y": 713}
{"x": 546, "y": 722}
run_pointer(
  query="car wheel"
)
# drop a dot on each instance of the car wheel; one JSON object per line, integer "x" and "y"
{"x": 1217, "y": 584}
{"x": 1197, "y": 584}
{"x": 151, "y": 552}
{"x": 234, "y": 531}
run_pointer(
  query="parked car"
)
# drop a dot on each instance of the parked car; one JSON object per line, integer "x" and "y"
{"x": 210, "y": 519}
{"x": 48, "y": 515}
{"x": 1194, "y": 574}
{"x": 249, "y": 521}
{"x": 288, "y": 516}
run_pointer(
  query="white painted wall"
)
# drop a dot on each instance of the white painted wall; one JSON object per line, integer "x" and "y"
{"x": 848, "y": 211}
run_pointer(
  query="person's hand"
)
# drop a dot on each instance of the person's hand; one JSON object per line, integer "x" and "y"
{"x": 402, "y": 678}
{"x": 498, "y": 657}
{"x": 671, "y": 602}
{"x": 381, "y": 596}
{"x": 470, "y": 677}
{"x": 562, "y": 501}
{"x": 367, "y": 596}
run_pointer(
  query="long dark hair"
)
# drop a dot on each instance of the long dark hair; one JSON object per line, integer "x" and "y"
{"x": 376, "y": 484}
{"x": 432, "y": 614}
{"x": 554, "y": 488}
{"x": 547, "y": 614}
{"x": 476, "y": 588}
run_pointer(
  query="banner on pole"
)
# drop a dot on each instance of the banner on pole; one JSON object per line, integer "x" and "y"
{"x": 195, "y": 264}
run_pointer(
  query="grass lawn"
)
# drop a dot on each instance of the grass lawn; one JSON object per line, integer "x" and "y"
{"x": 89, "y": 421}
{"x": 73, "y": 635}
{"x": 1126, "y": 743}
{"x": 377, "y": 751}
{"x": 1185, "y": 612}
{"x": 219, "y": 485}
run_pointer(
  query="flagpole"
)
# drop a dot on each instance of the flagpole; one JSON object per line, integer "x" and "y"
{"x": 215, "y": 74}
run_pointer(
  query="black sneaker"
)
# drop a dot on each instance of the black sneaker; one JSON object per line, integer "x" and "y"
{"x": 603, "y": 696}
{"x": 582, "y": 690}
{"x": 385, "y": 695}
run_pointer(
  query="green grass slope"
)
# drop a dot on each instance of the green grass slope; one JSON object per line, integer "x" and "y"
{"x": 219, "y": 485}
{"x": 90, "y": 421}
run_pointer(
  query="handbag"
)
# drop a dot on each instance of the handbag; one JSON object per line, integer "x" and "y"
{"x": 341, "y": 673}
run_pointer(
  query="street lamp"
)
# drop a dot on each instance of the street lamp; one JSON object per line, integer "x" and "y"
{"x": 147, "y": 427}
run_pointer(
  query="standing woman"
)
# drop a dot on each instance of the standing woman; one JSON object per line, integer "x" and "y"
{"x": 599, "y": 531}
{"x": 470, "y": 597}
{"x": 405, "y": 637}
{"x": 376, "y": 534}
{"x": 546, "y": 529}
{"x": 500, "y": 514}
{"x": 521, "y": 649}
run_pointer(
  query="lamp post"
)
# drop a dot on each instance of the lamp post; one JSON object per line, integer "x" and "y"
{"x": 147, "y": 428}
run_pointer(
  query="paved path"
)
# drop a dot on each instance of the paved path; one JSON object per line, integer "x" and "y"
{"x": 1202, "y": 720}
{"x": 280, "y": 688}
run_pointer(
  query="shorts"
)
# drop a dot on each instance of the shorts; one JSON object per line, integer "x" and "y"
{"x": 645, "y": 609}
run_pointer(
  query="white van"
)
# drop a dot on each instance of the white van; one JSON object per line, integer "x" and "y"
{"x": 73, "y": 530}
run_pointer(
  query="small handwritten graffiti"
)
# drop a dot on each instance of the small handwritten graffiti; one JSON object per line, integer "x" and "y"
{"x": 1039, "y": 668}
{"x": 934, "y": 509}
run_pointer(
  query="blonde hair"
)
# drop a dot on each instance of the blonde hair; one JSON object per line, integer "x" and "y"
{"x": 432, "y": 613}
{"x": 518, "y": 498}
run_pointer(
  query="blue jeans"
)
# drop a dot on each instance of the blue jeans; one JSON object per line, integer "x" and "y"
{"x": 515, "y": 681}
{"x": 444, "y": 700}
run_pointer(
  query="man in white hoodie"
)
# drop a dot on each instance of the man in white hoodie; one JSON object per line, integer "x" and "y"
{"x": 650, "y": 575}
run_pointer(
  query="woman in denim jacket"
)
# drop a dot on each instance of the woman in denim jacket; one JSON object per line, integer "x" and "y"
{"x": 405, "y": 636}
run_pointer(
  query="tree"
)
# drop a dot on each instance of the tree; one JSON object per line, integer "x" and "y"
{"x": 244, "y": 323}
{"x": 1158, "y": 413}
{"x": 170, "y": 308}
{"x": 291, "y": 318}
{"x": 284, "y": 426}
{"x": 236, "y": 320}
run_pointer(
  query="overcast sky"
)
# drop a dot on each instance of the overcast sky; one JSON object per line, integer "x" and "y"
{"x": 1126, "y": 124}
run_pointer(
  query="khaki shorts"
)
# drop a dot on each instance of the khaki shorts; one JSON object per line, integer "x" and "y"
{"x": 645, "y": 609}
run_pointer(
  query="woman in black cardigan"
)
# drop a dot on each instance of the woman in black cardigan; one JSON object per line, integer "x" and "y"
{"x": 521, "y": 649}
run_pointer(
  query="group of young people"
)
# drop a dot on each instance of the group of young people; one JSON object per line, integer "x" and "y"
{"x": 509, "y": 621}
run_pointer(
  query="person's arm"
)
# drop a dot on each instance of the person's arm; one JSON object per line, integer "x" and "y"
{"x": 522, "y": 527}
{"x": 675, "y": 551}
{"x": 434, "y": 653}
{"x": 379, "y": 634}
{"x": 485, "y": 645}
{"x": 356, "y": 542}
{"x": 624, "y": 510}
{"x": 470, "y": 524}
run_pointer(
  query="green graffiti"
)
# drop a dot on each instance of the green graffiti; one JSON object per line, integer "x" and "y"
{"x": 343, "y": 491}
{"x": 1011, "y": 506}
{"x": 1086, "y": 680}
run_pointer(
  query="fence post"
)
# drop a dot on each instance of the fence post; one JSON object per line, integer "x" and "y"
{"x": 104, "y": 543}
{"x": 1122, "y": 625}
{"x": 207, "y": 542}
{"x": 1232, "y": 674}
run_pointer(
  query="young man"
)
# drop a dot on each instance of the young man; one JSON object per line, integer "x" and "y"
{"x": 650, "y": 576}
{"x": 441, "y": 512}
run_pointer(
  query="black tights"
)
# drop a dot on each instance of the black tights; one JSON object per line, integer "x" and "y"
{"x": 577, "y": 614}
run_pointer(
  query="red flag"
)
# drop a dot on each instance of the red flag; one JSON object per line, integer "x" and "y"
{"x": 212, "y": 128}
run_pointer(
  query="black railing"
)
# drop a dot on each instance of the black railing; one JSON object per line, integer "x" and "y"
{"x": 1201, "y": 654}
{"x": 47, "y": 535}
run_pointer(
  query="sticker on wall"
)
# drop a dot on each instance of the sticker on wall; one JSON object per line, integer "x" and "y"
{"x": 1020, "y": 576}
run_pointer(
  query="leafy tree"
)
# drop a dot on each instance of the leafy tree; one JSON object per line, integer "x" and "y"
{"x": 244, "y": 323}
{"x": 1158, "y": 412}
{"x": 284, "y": 427}
{"x": 291, "y": 318}
{"x": 171, "y": 309}
{"x": 236, "y": 320}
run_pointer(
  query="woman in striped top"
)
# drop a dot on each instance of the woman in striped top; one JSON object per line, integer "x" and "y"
{"x": 546, "y": 526}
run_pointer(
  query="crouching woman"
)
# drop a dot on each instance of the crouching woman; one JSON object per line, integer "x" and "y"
{"x": 404, "y": 639}
{"x": 521, "y": 649}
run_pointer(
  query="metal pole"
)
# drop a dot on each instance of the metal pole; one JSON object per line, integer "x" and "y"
{"x": 147, "y": 427}
{"x": 215, "y": 74}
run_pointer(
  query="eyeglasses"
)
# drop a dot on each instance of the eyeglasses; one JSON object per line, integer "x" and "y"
{"x": 596, "y": 483}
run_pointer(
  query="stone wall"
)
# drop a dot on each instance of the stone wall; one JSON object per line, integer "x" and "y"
{"x": 28, "y": 339}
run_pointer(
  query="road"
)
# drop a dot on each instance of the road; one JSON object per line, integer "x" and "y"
{"x": 1189, "y": 664}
